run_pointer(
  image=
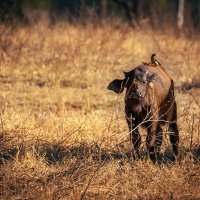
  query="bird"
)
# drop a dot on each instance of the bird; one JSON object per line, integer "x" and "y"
{"x": 154, "y": 60}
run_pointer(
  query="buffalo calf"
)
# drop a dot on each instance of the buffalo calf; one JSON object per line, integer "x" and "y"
{"x": 149, "y": 102}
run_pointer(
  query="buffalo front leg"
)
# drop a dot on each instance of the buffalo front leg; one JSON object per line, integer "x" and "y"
{"x": 136, "y": 141}
{"x": 153, "y": 140}
{"x": 134, "y": 135}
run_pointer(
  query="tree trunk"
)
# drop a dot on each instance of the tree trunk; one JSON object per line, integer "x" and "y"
{"x": 180, "y": 14}
{"x": 104, "y": 8}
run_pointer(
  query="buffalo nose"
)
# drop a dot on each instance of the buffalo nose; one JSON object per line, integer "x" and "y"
{"x": 140, "y": 94}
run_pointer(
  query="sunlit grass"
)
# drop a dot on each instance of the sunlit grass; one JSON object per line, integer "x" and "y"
{"x": 63, "y": 135}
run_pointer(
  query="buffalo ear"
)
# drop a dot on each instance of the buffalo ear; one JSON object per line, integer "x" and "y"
{"x": 117, "y": 86}
{"x": 151, "y": 78}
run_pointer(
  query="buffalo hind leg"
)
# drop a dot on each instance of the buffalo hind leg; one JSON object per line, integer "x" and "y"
{"x": 174, "y": 138}
{"x": 158, "y": 140}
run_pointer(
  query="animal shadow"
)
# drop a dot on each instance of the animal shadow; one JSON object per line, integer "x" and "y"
{"x": 57, "y": 154}
{"x": 54, "y": 153}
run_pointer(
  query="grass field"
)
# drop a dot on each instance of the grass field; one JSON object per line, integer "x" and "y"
{"x": 63, "y": 134}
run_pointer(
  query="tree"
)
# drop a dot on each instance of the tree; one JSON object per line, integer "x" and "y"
{"x": 180, "y": 14}
{"x": 10, "y": 10}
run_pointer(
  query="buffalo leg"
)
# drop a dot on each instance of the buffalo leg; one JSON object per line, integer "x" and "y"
{"x": 158, "y": 138}
{"x": 174, "y": 133}
{"x": 153, "y": 140}
{"x": 135, "y": 139}
{"x": 134, "y": 135}
{"x": 174, "y": 138}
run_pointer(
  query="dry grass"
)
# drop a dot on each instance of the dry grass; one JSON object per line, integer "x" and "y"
{"x": 63, "y": 135}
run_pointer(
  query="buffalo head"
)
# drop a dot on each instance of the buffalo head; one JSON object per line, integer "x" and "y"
{"x": 136, "y": 81}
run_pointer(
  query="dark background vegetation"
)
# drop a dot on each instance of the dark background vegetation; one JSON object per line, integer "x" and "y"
{"x": 157, "y": 13}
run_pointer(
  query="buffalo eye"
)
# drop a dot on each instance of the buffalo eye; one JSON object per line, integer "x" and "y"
{"x": 144, "y": 82}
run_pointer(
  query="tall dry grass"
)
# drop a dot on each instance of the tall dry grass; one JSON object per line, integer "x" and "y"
{"x": 63, "y": 135}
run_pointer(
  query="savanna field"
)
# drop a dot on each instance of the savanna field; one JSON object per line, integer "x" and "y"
{"x": 63, "y": 134}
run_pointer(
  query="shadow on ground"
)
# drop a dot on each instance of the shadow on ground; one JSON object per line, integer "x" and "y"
{"x": 58, "y": 154}
{"x": 194, "y": 84}
{"x": 54, "y": 154}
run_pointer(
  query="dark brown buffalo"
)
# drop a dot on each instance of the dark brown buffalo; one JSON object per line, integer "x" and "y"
{"x": 149, "y": 102}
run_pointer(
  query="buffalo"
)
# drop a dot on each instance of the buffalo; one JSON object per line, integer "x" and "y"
{"x": 149, "y": 102}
